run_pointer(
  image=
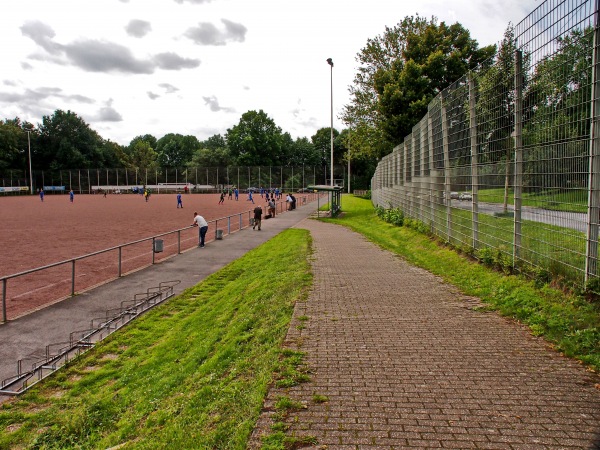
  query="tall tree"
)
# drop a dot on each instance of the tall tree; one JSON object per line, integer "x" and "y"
{"x": 67, "y": 142}
{"x": 151, "y": 140}
{"x": 304, "y": 153}
{"x": 214, "y": 142}
{"x": 207, "y": 157}
{"x": 432, "y": 59}
{"x": 13, "y": 143}
{"x": 322, "y": 143}
{"x": 255, "y": 140}
{"x": 362, "y": 113}
{"x": 176, "y": 150}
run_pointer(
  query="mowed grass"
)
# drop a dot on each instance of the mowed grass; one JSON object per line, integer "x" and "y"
{"x": 190, "y": 374}
{"x": 570, "y": 323}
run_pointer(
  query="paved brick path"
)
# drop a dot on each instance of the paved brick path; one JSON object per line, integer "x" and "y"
{"x": 407, "y": 362}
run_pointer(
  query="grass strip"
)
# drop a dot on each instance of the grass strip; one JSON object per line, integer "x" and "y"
{"x": 569, "y": 322}
{"x": 190, "y": 374}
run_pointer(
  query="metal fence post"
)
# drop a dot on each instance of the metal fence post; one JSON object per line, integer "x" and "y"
{"x": 593, "y": 210}
{"x": 432, "y": 197}
{"x": 178, "y": 242}
{"x": 153, "y": 247}
{"x": 447, "y": 180}
{"x": 518, "y": 153}
{"x": 73, "y": 278}
{"x": 474, "y": 161}
{"x": 4, "y": 300}
{"x": 120, "y": 259}
{"x": 228, "y": 224}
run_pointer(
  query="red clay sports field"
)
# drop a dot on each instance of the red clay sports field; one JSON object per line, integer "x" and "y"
{"x": 36, "y": 234}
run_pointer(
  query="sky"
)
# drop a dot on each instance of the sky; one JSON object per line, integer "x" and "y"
{"x": 193, "y": 67}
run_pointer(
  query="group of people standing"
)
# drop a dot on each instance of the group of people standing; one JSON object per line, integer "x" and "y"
{"x": 271, "y": 207}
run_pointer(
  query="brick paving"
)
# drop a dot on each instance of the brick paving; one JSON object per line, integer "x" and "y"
{"x": 406, "y": 361}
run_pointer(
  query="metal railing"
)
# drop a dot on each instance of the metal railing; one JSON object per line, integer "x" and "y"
{"x": 60, "y": 353}
{"x": 49, "y": 291}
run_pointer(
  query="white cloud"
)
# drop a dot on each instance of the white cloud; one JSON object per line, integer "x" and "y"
{"x": 138, "y": 28}
{"x": 214, "y": 106}
{"x": 207, "y": 33}
{"x": 194, "y": 66}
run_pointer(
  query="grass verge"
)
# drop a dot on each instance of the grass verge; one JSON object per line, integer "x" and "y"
{"x": 570, "y": 323}
{"x": 191, "y": 374}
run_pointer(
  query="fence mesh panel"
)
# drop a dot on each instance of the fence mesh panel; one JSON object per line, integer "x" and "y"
{"x": 507, "y": 160}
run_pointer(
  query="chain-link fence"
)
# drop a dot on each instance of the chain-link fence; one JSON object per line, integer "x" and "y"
{"x": 506, "y": 163}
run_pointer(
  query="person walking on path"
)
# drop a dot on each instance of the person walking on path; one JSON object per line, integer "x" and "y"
{"x": 222, "y": 198}
{"x": 257, "y": 217}
{"x": 250, "y": 199}
{"x": 236, "y": 193}
{"x": 202, "y": 225}
{"x": 42, "y": 195}
{"x": 179, "y": 201}
{"x": 71, "y": 195}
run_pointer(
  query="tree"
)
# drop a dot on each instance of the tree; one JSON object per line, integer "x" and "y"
{"x": 303, "y": 153}
{"x": 362, "y": 114}
{"x": 255, "y": 140}
{"x": 142, "y": 156}
{"x": 148, "y": 138}
{"x": 176, "y": 150}
{"x": 13, "y": 143}
{"x": 67, "y": 142}
{"x": 214, "y": 142}
{"x": 206, "y": 157}
{"x": 322, "y": 143}
{"x": 433, "y": 57}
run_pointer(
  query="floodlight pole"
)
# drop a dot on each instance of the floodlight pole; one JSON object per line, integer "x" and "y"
{"x": 330, "y": 62}
{"x": 30, "y": 174}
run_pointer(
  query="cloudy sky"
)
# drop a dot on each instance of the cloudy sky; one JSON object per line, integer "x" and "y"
{"x": 132, "y": 67}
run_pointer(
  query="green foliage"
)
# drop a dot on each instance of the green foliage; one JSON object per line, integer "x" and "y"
{"x": 434, "y": 57}
{"x": 255, "y": 140}
{"x": 317, "y": 398}
{"x": 592, "y": 289}
{"x": 393, "y": 215}
{"x": 175, "y": 150}
{"x": 66, "y": 141}
{"x": 496, "y": 258}
{"x": 205, "y": 157}
{"x": 14, "y": 144}
{"x": 191, "y": 373}
{"x": 139, "y": 155}
{"x": 291, "y": 369}
{"x": 362, "y": 114}
{"x": 321, "y": 141}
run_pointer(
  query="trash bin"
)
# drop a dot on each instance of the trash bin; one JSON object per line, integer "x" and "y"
{"x": 158, "y": 245}
{"x": 219, "y": 234}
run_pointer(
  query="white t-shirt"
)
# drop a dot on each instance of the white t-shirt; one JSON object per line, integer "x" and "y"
{"x": 200, "y": 221}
